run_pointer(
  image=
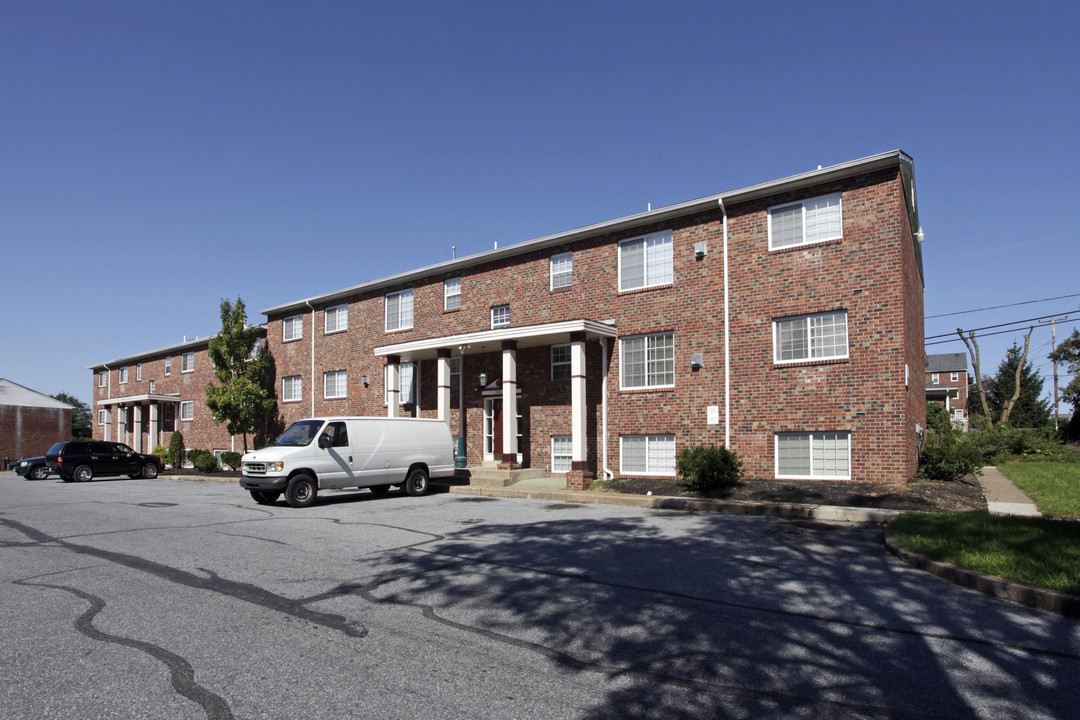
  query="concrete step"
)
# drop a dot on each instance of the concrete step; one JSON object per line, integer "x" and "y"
{"x": 493, "y": 477}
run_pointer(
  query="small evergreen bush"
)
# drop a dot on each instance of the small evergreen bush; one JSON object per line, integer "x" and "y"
{"x": 175, "y": 454}
{"x": 160, "y": 450}
{"x": 204, "y": 460}
{"x": 704, "y": 468}
{"x": 231, "y": 460}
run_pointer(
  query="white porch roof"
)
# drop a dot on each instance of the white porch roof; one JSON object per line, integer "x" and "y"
{"x": 491, "y": 340}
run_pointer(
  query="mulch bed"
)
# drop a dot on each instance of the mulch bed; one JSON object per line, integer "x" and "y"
{"x": 927, "y": 496}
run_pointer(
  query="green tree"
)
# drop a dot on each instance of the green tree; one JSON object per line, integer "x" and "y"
{"x": 1029, "y": 409}
{"x": 243, "y": 397}
{"x": 1068, "y": 352}
{"x": 81, "y": 416}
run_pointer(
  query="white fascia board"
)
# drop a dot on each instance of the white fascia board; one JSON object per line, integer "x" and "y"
{"x": 188, "y": 345}
{"x": 495, "y": 337}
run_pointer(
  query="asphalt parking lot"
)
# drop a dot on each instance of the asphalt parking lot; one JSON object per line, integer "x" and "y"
{"x": 138, "y": 598}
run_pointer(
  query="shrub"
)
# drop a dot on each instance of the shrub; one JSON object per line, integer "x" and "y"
{"x": 160, "y": 450}
{"x": 204, "y": 460}
{"x": 1002, "y": 443}
{"x": 175, "y": 454}
{"x": 704, "y": 468}
{"x": 946, "y": 457}
{"x": 231, "y": 460}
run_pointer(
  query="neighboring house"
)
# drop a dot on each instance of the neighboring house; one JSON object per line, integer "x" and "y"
{"x": 30, "y": 422}
{"x": 784, "y": 320}
{"x": 947, "y": 383}
{"x": 141, "y": 399}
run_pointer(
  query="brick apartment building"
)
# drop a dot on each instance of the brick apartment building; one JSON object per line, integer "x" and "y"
{"x": 30, "y": 422}
{"x": 784, "y": 320}
{"x": 947, "y": 382}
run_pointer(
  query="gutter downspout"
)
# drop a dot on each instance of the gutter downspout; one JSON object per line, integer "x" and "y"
{"x": 608, "y": 474}
{"x": 727, "y": 339}
{"x": 312, "y": 357}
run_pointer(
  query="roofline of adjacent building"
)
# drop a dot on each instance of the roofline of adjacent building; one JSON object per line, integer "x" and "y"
{"x": 185, "y": 345}
{"x": 845, "y": 170}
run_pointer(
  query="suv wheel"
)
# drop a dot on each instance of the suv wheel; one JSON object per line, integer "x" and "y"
{"x": 149, "y": 471}
{"x": 83, "y": 473}
{"x": 40, "y": 472}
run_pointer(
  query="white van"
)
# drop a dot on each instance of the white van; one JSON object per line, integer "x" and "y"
{"x": 340, "y": 452}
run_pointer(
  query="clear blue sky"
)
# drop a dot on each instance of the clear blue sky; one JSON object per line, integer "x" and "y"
{"x": 156, "y": 157}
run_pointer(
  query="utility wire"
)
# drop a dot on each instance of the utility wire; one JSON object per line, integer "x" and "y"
{"x": 998, "y": 307}
{"x": 991, "y": 327}
{"x": 984, "y": 335}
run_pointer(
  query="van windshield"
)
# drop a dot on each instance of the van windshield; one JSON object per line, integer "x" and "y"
{"x": 300, "y": 433}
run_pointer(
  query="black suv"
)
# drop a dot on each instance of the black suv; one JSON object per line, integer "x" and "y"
{"x": 81, "y": 460}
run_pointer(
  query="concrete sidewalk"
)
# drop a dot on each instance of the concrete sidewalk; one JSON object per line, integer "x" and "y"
{"x": 1004, "y": 498}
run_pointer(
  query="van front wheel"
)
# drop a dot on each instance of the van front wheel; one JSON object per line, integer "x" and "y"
{"x": 416, "y": 483}
{"x": 301, "y": 491}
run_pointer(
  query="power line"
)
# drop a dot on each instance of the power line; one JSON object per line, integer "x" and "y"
{"x": 998, "y": 307}
{"x": 991, "y": 327}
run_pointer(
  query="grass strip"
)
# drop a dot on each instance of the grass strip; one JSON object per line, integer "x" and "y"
{"x": 1055, "y": 487}
{"x": 1037, "y": 551}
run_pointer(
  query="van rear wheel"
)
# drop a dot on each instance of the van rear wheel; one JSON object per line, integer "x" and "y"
{"x": 416, "y": 483}
{"x": 301, "y": 491}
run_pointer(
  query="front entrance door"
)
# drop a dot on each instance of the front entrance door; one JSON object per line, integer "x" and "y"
{"x": 493, "y": 429}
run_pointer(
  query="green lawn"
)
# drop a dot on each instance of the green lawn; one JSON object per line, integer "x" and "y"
{"x": 1055, "y": 487}
{"x": 1036, "y": 551}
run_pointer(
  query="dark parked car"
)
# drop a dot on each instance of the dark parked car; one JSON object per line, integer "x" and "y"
{"x": 81, "y": 460}
{"x": 34, "y": 468}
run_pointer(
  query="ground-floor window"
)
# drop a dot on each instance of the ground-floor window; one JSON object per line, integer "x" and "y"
{"x": 813, "y": 456}
{"x": 562, "y": 453}
{"x": 647, "y": 455}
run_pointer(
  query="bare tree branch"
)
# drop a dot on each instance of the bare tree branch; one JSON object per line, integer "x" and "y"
{"x": 1007, "y": 410}
{"x": 973, "y": 350}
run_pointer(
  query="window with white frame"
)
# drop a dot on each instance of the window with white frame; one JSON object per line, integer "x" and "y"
{"x": 407, "y": 376}
{"x": 291, "y": 389}
{"x": 337, "y": 318}
{"x": 168, "y": 365}
{"x": 399, "y": 310}
{"x": 334, "y": 384}
{"x": 560, "y": 362}
{"x": 152, "y": 386}
{"x": 935, "y": 378}
{"x": 647, "y": 455}
{"x": 813, "y": 455}
{"x": 648, "y": 361}
{"x": 138, "y": 371}
{"x": 562, "y": 270}
{"x": 500, "y": 316}
{"x": 822, "y": 336}
{"x": 101, "y": 416}
{"x": 562, "y": 453}
{"x": 958, "y": 413}
{"x": 292, "y": 328}
{"x": 806, "y": 222}
{"x": 101, "y": 379}
{"x": 187, "y": 410}
{"x": 187, "y": 362}
{"x": 954, "y": 377}
{"x": 122, "y": 375}
{"x": 452, "y": 294}
{"x": 646, "y": 261}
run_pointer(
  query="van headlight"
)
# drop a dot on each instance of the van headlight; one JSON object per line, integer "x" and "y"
{"x": 275, "y": 467}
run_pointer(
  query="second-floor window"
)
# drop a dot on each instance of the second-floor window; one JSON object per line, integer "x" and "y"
{"x": 101, "y": 379}
{"x": 138, "y": 371}
{"x": 935, "y": 378}
{"x": 168, "y": 365}
{"x": 452, "y": 294}
{"x": 293, "y": 328}
{"x": 399, "y": 310}
{"x": 187, "y": 362}
{"x": 811, "y": 337}
{"x": 954, "y": 377}
{"x": 806, "y": 222}
{"x": 337, "y": 318}
{"x": 646, "y": 261}
{"x": 122, "y": 375}
{"x": 562, "y": 270}
{"x": 500, "y": 316}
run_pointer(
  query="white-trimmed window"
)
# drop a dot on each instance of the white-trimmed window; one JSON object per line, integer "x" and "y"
{"x": 152, "y": 387}
{"x": 217, "y": 456}
{"x": 813, "y": 456}
{"x": 407, "y": 375}
{"x": 562, "y": 453}
{"x": 806, "y": 222}
{"x": 168, "y": 365}
{"x": 958, "y": 413}
{"x": 291, "y": 389}
{"x": 122, "y": 375}
{"x": 101, "y": 416}
{"x": 399, "y": 310}
{"x": 562, "y": 270}
{"x": 500, "y": 316}
{"x": 101, "y": 379}
{"x": 452, "y": 294}
{"x": 648, "y": 361}
{"x": 647, "y": 455}
{"x": 187, "y": 362}
{"x": 337, "y": 318}
{"x": 187, "y": 410}
{"x": 335, "y": 384}
{"x": 822, "y": 336}
{"x": 935, "y": 378}
{"x": 560, "y": 362}
{"x": 138, "y": 371}
{"x": 292, "y": 328}
{"x": 646, "y": 261}
{"x": 954, "y": 377}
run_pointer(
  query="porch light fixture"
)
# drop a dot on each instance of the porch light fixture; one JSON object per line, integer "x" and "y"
{"x": 483, "y": 379}
{"x": 365, "y": 379}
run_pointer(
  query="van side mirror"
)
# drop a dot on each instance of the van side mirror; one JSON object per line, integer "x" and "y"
{"x": 325, "y": 441}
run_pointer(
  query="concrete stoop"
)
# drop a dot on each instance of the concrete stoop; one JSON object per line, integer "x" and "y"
{"x": 491, "y": 477}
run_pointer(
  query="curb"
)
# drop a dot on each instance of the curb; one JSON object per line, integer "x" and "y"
{"x": 1035, "y": 597}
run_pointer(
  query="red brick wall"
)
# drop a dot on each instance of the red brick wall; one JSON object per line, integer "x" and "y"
{"x": 30, "y": 431}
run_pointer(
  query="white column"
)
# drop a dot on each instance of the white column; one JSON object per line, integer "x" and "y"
{"x": 443, "y": 381}
{"x": 578, "y": 425}
{"x": 154, "y": 439}
{"x": 121, "y": 424}
{"x": 136, "y": 427}
{"x": 509, "y": 401}
{"x": 393, "y": 386}
{"x": 108, "y": 424}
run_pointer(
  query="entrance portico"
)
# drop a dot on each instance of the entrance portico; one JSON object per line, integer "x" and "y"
{"x": 127, "y": 414}
{"x": 508, "y": 342}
